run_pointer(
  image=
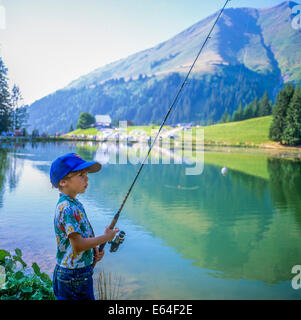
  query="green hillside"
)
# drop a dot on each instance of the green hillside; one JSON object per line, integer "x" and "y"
{"x": 248, "y": 132}
{"x": 252, "y": 51}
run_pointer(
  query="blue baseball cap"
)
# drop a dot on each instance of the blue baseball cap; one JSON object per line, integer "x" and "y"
{"x": 68, "y": 163}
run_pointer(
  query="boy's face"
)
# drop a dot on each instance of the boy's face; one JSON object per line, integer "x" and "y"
{"x": 76, "y": 184}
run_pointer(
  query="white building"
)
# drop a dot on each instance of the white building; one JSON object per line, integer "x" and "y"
{"x": 102, "y": 121}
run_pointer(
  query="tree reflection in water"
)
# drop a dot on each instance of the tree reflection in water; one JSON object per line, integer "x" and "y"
{"x": 10, "y": 166}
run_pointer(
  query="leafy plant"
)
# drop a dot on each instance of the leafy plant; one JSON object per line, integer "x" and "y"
{"x": 22, "y": 283}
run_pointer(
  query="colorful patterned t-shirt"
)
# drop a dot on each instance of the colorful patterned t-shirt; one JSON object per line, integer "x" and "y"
{"x": 70, "y": 216}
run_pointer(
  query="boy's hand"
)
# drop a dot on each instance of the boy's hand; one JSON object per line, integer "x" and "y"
{"x": 97, "y": 255}
{"x": 110, "y": 233}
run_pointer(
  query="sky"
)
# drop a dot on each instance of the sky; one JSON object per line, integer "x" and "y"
{"x": 45, "y": 44}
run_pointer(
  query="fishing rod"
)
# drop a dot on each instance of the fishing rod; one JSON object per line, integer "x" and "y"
{"x": 120, "y": 237}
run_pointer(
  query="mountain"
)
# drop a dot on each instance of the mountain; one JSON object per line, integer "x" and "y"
{"x": 250, "y": 51}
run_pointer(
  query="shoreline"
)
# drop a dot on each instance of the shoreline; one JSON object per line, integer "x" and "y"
{"x": 272, "y": 149}
{"x": 244, "y": 158}
{"x": 265, "y": 146}
{"x": 251, "y": 145}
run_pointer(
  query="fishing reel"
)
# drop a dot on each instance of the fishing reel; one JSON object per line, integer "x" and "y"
{"x": 117, "y": 241}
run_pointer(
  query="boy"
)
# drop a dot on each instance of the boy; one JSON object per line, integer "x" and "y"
{"x": 72, "y": 277}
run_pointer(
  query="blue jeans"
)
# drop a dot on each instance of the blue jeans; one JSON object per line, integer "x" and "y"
{"x": 73, "y": 284}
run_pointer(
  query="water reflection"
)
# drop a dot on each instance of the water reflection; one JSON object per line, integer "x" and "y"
{"x": 227, "y": 224}
{"x": 236, "y": 227}
{"x": 10, "y": 167}
{"x": 285, "y": 184}
{"x": 3, "y": 169}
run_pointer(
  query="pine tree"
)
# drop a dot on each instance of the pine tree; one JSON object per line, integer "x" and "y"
{"x": 5, "y": 103}
{"x": 292, "y": 131}
{"x": 225, "y": 117}
{"x": 19, "y": 114}
{"x": 248, "y": 111}
{"x": 279, "y": 112}
{"x": 71, "y": 128}
{"x": 264, "y": 106}
{"x": 209, "y": 122}
{"x": 238, "y": 114}
{"x": 255, "y": 107}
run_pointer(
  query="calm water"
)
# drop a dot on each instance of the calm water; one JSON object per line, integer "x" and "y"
{"x": 188, "y": 237}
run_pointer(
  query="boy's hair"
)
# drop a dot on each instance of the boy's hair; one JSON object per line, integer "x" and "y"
{"x": 70, "y": 175}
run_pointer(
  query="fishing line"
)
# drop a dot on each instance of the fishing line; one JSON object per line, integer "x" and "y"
{"x": 115, "y": 219}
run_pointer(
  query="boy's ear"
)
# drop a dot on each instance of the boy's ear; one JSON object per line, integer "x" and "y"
{"x": 62, "y": 183}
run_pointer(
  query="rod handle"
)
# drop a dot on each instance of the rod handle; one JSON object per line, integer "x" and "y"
{"x": 112, "y": 225}
{"x": 101, "y": 246}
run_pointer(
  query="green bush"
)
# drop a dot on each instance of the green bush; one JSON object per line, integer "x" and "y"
{"x": 22, "y": 283}
{"x": 85, "y": 120}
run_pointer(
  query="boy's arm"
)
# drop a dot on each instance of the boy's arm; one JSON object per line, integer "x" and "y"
{"x": 80, "y": 244}
{"x": 73, "y": 231}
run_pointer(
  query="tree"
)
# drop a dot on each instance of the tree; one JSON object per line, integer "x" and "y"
{"x": 264, "y": 106}
{"x": 279, "y": 112}
{"x": 19, "y": 114}
{"x": 292, "y": 131}
{"x": 248, "y": 111}
{"x": 71, "y": 128}
{"x": 5, "y": 103}
{"x": 238, "y": 114}
{"x": 255, "y": 107}
{"x": 225, "y": 117}
{"x": 85, "y": 120}
{"x": 209, "y": 122}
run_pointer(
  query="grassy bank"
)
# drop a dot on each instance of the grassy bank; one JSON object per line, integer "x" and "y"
{"x": 95, "y": 132}
{"x": 251, "y": 132}
{"x": 86, "y": 132}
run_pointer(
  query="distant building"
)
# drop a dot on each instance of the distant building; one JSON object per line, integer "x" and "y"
{"x": 102, "y": 121}
{"x": 128, "y": 122}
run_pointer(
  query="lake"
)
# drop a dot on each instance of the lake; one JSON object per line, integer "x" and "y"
{"x": 205, "y": 236}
